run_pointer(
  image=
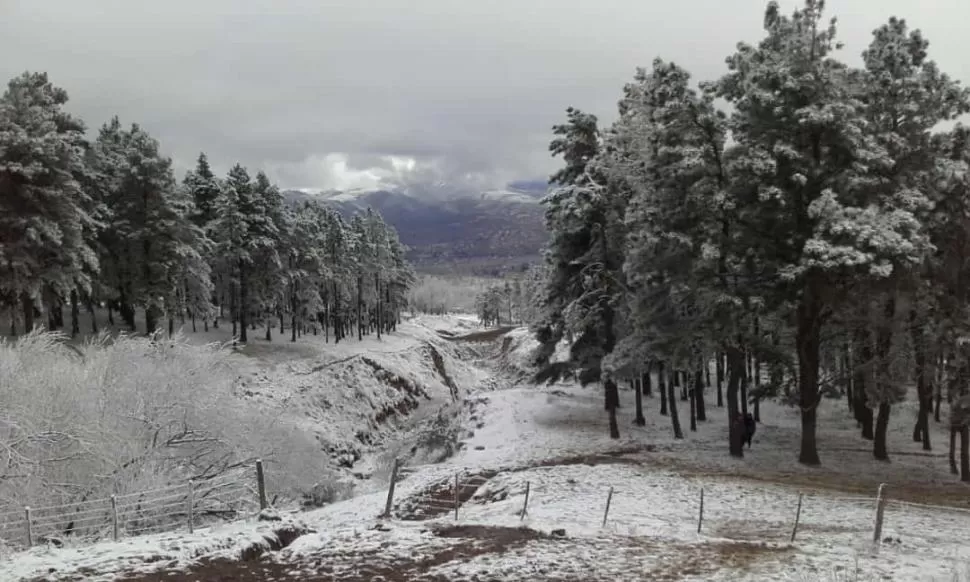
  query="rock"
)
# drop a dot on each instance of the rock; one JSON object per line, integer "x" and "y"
{"x": 558, "y": 533}
{"x": 269, "y": 514}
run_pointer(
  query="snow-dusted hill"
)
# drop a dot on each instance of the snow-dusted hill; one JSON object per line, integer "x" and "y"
{"x": 448, "y": 224}
{"x": 546, "y": 449}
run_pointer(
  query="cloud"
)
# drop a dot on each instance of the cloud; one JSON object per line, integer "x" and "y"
{"x": 325, "y": 92}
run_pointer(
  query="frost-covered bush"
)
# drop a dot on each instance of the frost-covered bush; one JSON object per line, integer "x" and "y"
{"x": 131, "y": 414}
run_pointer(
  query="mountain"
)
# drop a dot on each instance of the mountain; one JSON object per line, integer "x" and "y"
{"x": 450, "y": 228}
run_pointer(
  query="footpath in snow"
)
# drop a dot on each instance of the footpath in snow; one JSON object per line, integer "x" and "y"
{"x": 595, "y": 508}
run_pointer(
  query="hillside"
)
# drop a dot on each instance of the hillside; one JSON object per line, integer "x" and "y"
{"x": 596, "y": 509}
{"x": 478, "y": 231}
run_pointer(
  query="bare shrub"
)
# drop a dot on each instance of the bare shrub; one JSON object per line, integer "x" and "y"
{"x": 121, "y": 415}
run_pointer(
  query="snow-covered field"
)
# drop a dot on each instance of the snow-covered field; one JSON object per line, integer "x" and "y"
{"x": 552, "y": 442}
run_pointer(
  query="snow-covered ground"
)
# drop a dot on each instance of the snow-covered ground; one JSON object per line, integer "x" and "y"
{"x": 552, "y": 442}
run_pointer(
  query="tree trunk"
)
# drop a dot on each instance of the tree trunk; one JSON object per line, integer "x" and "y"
{"x": 745, "y": 378}
{"x": 757, "y": 388}
{"x": 638, "y": 420}
{"x": 807, "y": 340}
{"x": 847, "y": 374}
{"x": 269, "y": 329}
{"x": 924, "y": 388}
{"x": 380, "y": 318}
{"x": 662, "y": 388}
{"x": 693, "y": 407}
{"x": 646, "y": 382}
{"x": 879, "y": 450}
{"x": 171, "y": 326}
{"x": 939, "y": 400}
{"x": 360, "y": 308}
{"x": 54, "y": 312}
{"x": 699, "y": 395}
{"x": 735, "y": 371}
{"x": 672, "y": 402}
{"x": 953, "y": 449}
{"x": 75, "y": 312}
{"x": 243, "y": 307}
{"x": 27, "y": 304}
{"x": 884, "y": 339}
{"x": 863, "y": 414}
{"x": 233, "y": 293}
{"x": 719, "y": 371}
{"x": 613, "y": 398}
{"x": 94, "y": 319}
{"x": 965, "y": 454}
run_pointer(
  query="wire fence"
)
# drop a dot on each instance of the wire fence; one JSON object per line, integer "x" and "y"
{"x": 757, "y": 514}
{"x": 718, "y": 510}
{"x": 181, "y": 506}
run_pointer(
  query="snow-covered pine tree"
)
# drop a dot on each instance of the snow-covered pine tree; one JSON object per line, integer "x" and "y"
{"x": 307, "y": 268}
{"x": 268, "y": 240}
{"x": 230, "y": 234}
{"x": 204, "y": 189}
{"x": 191, "y": 272}
{"x": 584, "y": 286}
{"x": 577, "y": 141}
{"x": 381, "y": 257}
{"x": 44, "y": 213}
{"x": 905, "y": 97}
{"x": 343, "y": 268}
{"x": 402, "y": 278}
{"x": 802, "y": 171}
{"x": 155, "y": 227}
{"x": 669, "y": 141}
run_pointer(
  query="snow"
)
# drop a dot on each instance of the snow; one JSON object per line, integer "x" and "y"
{"x": 554, "y": 439}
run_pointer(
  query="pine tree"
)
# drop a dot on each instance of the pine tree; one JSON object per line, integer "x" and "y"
{"x": 45, "y": 216}
{"x": 155, "y": 227}
{"x": 803, "y": 167}
{"x": 584, "y": 287}
{"x": 230, "y": 233}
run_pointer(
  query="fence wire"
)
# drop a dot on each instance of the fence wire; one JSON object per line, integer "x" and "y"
{"x": 768, "y": 514}
{"x": 156, "y": 510}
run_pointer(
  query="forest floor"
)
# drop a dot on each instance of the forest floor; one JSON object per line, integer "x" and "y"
{"x": 596, "y": 508}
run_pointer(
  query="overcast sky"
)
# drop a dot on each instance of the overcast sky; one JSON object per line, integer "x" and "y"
{"x": 328, "y": 93}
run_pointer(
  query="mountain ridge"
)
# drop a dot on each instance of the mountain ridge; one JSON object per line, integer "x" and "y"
{"x": 451, "y": 227}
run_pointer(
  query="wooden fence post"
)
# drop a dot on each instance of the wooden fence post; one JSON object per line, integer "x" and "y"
{"x": 880, "y": 512}
{"x": 525, "y": 504}
{"x": 798, "y": 515}
{"x": 191, "y": 506}
{"x": 609, "y": 498}
{"x": 700, "y": 515}
{"x": 456, "y": 496}
{"x": 390, "y": 490}
{"x": 30, "y": 534}
{"x": 260, "y": 484}
{"x": 114, "y": 518}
